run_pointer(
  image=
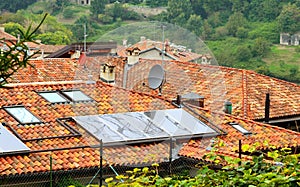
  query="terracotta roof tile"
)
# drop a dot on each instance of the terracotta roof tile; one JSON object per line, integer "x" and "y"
{"x": 244, "y": 88}
{"x": 7, "y": 36}
{"x": 50, "y": 135}
{"x": 261, "y": 133}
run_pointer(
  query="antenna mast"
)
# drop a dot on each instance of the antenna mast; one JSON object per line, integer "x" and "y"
{"x": 163, "y": 46}
{"x": 84, "y": 36}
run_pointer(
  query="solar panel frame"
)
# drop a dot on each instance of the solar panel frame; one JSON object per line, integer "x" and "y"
{"x": 134, "y": 126}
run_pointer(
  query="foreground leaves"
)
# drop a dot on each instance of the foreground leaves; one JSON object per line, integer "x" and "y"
{"x": 17, "y": 54}
{"x": 277, "y": 168}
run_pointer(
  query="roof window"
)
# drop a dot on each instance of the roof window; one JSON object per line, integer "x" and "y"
{"x": 53, "y": 97}
{"x": 12, "y": 143}
{"x": 76, "y": 95}
{"x": 240, "y": 128}
{"x": 22, "y": 115}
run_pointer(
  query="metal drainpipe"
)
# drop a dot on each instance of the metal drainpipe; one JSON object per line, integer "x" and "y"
{"x": 101, "y": 162}
{"x": 51, "y": 174}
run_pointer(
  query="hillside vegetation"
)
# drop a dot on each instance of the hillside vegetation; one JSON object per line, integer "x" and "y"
{"x": 240, "y": 33}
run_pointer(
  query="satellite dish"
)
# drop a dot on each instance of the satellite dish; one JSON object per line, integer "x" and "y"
{"x": 156, "y": 76}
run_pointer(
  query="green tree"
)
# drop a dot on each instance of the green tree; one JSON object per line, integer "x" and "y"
{"x": 16, "y": 56}
{"x": 243, "y": 53}
{"x": 156, "y": 3}
{"x": 261, "y": 47}
{"x": 239, "y": 6}
{"x": 206, "y": 30}
{"x": 235, "y": 21}
{"x": 269, "y": 31}
{"x": 13, "y": 28}
{"x": 179, "y": 11}
{"x": 97, "y": 7}
{"x": 194, "y": 24}
{"x": 289, "y": 19}
{"x": 15, "y": 5}
{"x": 54, "y": 38}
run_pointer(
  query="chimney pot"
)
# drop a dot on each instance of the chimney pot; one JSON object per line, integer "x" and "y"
{"x": 143, "y": 38}
{"x": 228, "y": 107}
{"x": 178, "y": 100}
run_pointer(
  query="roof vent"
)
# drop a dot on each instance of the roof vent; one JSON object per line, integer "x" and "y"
{"x": 228, "y": 107}
{"x": 193, "y": 99}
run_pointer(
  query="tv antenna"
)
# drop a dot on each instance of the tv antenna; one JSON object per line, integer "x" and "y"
{"x": 156, "y": 77}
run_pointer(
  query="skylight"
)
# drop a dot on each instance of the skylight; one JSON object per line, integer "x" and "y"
{"x": 22, "y": 115}
{"x": 76, "y": 95}
{"x": 240, "y": 128}
{"x": 143, "y": 126}
{"x": 53, "y": 97}
{"x": 10, "y": 143}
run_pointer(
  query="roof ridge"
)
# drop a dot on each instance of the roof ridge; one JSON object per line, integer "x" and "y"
{"x": 244, "y": 92}
{"x": 44, "y": 83}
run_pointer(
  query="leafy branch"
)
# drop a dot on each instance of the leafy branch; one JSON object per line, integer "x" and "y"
{"x": 17, "y": 56}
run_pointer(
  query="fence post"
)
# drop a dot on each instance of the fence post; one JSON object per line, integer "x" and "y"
{"x": 101, "y": 164}
{"x": 170, "y": 157}
{"x": 51, "y": 177}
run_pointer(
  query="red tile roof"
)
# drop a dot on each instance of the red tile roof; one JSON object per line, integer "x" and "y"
{"x": 69, "y": 150}
{"x": 4, "y": 35}
{"x": 246, "y": 89}
{"x": 262, "y": 134}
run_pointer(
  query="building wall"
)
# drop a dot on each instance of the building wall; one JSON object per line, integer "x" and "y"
{"x": 289, "y": 39}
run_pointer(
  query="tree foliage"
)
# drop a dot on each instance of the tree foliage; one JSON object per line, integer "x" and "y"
{"x": 289, "y": 18}
{"x": 179, "y": 11}
{"x": 97, "y": 7}
{"x": 15, "y": 5}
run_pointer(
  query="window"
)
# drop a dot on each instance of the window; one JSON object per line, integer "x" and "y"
{"x": 240, "y": 128}
{"x": 53, "y": 97}
{"x": 12, "y": 143}
{"x": 22, "y": 115}
{"x": 64, "y": 96}
{"x": 76, "y": 95}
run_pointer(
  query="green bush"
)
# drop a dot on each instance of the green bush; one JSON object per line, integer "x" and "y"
{"x": 266, "y": 168}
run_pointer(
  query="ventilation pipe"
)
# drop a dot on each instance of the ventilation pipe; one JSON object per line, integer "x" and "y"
{"x": 267, "y": 108}
{"x": 178, "y": 100}
{"x": 228, "y": 107}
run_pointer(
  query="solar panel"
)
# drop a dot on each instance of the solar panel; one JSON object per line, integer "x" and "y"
{"x": 9, "y": 143}
{"x": 140, "y": 126}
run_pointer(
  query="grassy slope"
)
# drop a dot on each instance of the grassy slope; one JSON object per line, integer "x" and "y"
{"x": 281, "y": 59}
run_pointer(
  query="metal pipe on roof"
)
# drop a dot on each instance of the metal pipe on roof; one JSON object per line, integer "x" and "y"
{"x": 267, "y": 108}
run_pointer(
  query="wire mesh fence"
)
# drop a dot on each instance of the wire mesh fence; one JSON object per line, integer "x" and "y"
{"x": 76, "y": 167}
